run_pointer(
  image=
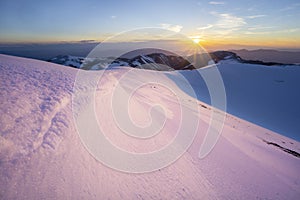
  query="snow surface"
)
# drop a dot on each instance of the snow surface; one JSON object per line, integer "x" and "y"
{"x": 42, "y": 157}
{"x": 264, "y": 95}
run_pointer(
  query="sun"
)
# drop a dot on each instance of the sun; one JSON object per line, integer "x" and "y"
{"x": 196, "y": 40}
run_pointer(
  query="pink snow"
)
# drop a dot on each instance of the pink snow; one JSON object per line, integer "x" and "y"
{"x": 42, "y": 156}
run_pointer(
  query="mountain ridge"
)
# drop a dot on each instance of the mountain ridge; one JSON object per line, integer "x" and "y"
{"x": 159, "y": 61}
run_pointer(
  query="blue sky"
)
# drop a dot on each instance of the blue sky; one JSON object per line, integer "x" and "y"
{"x": 255, "y": 22}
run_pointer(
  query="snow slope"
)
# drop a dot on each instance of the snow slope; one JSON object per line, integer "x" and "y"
{"x": 42, "y": 156}
{"x": 264, "y": 95}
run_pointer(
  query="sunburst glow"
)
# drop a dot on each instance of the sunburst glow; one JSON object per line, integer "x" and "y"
{"x": 196, "y": 40}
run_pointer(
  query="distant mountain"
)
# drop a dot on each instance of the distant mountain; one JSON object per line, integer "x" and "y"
{"x": 155, "y": 61}
{"x": 47, "y": 51}
{"x": 81, "y": 62}
{"x": 268, "y": 55}
{"x": 159, "y": 60}
{"x": 67, "y": 60}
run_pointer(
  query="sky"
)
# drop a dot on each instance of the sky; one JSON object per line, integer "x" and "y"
{"x": 252, "y": 23}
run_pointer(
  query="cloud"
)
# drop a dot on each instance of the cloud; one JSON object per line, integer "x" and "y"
{"x": 225, "y": 26}
{"x": 216, "y": 2}
{"x": 175, "y": 28}
{"x": 292, "y": 30}
{"x": 257, "y": 33}
{"x": 208, "y": 26}
{"x": 291, "y": 7}
{"x": 228, "y": 21}
{"x": 113, "y": 17}
{"x": 252, "y": 30}
{"x": 87, "y": 41}
{"x": 255, "y": 16}
{"x": 259, "y": 27}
